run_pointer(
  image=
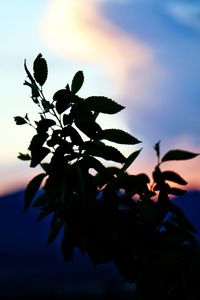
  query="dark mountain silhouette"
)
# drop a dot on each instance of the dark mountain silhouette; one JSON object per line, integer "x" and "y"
{"x": 28, "y": 267}
{"x": 190, "y": 204}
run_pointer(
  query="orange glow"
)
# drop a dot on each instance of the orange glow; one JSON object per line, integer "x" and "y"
{"x": 84, "y": 34}
{"x": 188, "y": 169}
{"x": 15, "y": 177}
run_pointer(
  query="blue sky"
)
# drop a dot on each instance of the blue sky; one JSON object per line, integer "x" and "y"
{"x": 143, "y": 54}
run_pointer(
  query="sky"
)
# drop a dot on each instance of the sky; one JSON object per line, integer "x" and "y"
{"x": 142, "y": 54}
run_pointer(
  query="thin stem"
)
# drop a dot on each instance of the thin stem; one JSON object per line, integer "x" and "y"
{"x": 56, "y": 116}
{"x": 54, "y": 112}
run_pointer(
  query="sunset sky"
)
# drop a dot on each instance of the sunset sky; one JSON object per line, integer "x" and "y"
{"x": 143, "y": 54}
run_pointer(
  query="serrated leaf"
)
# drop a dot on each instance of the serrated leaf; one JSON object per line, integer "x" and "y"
{"x": 83, "y": 119}
{"x": 119, "y": 136}
{"x": 174, "y": 177}
{"x": 40, "y": 69}
{"x": 20, "y": 120}
{"x": 54, "y": 231}
{"x": 178, "y": 155}
{"x": 130, "y": 159}
{"x": 91, "y": 129}
{"x": 23, "y": 156}
{"x": 81, "y": 113}
{"x": 103, "y": 104}
{"x": 31, "y": 189}
{"x": 104, "y": 151}
{"x": 77, "y": 82}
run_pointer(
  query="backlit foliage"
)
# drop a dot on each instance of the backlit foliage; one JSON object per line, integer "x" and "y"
{"x": 93, "y": 206}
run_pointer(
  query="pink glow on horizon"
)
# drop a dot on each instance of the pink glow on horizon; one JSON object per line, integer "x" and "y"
{"x": 85, "y": 35}
{"x": 17, "y": 178}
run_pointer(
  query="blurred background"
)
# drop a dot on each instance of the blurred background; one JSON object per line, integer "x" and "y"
{"x": 144, "y": 54}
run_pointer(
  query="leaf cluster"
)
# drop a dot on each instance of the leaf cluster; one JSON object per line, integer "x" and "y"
{"x": 104, "y": 211}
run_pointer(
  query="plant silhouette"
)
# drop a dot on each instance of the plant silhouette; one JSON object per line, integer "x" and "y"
{"x": 150, "y": 240}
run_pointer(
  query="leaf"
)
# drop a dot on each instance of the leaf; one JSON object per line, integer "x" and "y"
{"x": 77, "y": 82}
{"x": 67, "y": 119}
{"x": 97, "y": 165}
{"x": 44, "y": 124}
{"x": 142, "y": 179}
{"x": 103, "y": 105}
{"x": 101, "y": 150}
{"x": 62, "y": 95}
{"x": 37, "y": 141}
{"x": 62, "y": 105}
{"x": 83, "y": 119}
{"x": 148, "y": 212}
{"x": 180, "y": 219}
{"x": 54, "y": 219}
{"x": 46, "y": 105}
{"x": 75, "y": 136}
{"x": 136, "y": 184}
{"x": 40, "y": 201}
{"x": 32, "y": 188}
{"x": 34, "y": 89}
{"x": 54, "y": 231}
{"x": 26, "y": 117}
{"x": 38, "y": 156}
{"x": 176, "y": 191}
{"x": 178, "y": 155}
{"x": 20, "y": 120}
{"x": 29, "y": 74}
{"x": 40, "y": 69}
{"x": 91, "y": 129}
{"x": 130, "y": 159}
{"x": 174, "y": 177}
{"x": 45, "y": 167}
{"x": 43, "y": 214}
{"x": 79, "y": 183}
{"x": 119, "y": 136}
{"x": 157, "y": 149}
{"x": 81, "y": 113}
{"x": 55, "y": 139}
{"x": 24, "y": 156}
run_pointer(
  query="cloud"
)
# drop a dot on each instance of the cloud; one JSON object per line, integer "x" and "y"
{"x": 186, "y": 13}
{"x": 82, "y": 33}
